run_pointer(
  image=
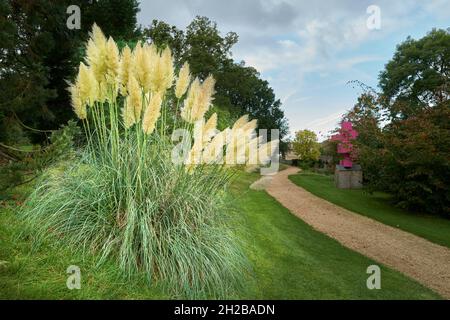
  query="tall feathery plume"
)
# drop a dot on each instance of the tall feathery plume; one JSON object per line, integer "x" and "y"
{"x": 151, "y": 62}
{"x": 205, "y": 98}
{"x": 98, "y": 36}
{"x": 167, "y": 63}
{"x": 152, "y": 113}
{"x": 210, "y": 128}
{"x": 95, "y": 94}
{"x": 96, "y": 53}
{"x": 112, "y": 63}
{"x": 191, "y": 101}
{"x": 141, "y": 65}
{"x": 134, "y": 98}
{"x": 249, "y": 128}
{"x": 87, "y": 85}
{"x": 124, "y": 70}
{"x": 128, "y": 115}
{"x": 102, "y": 91}
{"x": 161, "y": 77}
{"x": 77, "y": 105}
{"x": 184, "y": 77}
{"x": 93, "y": 56}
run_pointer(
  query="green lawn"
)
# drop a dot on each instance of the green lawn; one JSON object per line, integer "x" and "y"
{"x": 289, "y": 260}
{"x": 376, "y": 206}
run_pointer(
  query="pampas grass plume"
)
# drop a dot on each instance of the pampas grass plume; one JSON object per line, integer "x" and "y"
{"x": 161, "y": 76}
{"x": 97, "y": 52}
{"x": 134, "y": 99}
{"x": 191, "y": 101}
{"x": 112, "y": 62}
{"x": 183, "y": 80}
{"x": 152, "y": 114}
{"x": 77, "y": 105}
{"x": 210, "y": 128}
{"x": 205, "y": 98}
{"x": 87, "y": 85}
{"x": 142, "y": 65}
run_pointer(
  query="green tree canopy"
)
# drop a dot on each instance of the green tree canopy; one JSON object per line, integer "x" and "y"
{"x": 305, "y": 145}
{"x": 116, "y": 18}
{"x": 366, "y": 118}
{"x": 417, "y": 77}
{"x": 38, "y": 54}
{"x": 404, "y": 133}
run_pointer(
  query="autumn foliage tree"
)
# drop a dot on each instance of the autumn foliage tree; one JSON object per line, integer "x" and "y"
{"x": 404, "y": 130}
{"x": 416, "y": 160}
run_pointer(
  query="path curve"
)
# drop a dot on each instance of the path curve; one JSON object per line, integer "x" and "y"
{"x": 414, "y": 256}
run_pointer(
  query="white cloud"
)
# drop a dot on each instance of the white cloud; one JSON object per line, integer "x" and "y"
{"x": 355, "y": 60}
{"x": 323, "y": 126}
{"x": 290, "y": 41}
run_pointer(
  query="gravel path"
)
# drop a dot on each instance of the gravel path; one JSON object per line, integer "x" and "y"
{"x": 414, "y": 256}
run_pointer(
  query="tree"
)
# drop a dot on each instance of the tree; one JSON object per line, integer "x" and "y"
{"x": 205, "y": 49}
{"x": 416, "y": 160}
{"x": 414, "y": 157}
{"x": 240, "y": 90}
{"x": 417, "y": 77}
{"x": 365, "y": 117}
{"x": 39, "y": 54}
{"x": 116, "y": 18}
{"x": 201, "y": 44}
{"x": 163, "y": 34}
{"x": 408, "y": 156}
{"x": 328, "y": 148}
{"x": 305, "y": 145}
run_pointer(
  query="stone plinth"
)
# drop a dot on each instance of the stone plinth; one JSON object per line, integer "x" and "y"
{"x": 348, "y": 178}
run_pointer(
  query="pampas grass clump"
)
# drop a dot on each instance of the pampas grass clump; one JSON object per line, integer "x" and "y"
{"x": 123, "y": 197}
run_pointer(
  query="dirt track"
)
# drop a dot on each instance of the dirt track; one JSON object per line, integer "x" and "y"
{"x": 414, "y": 256}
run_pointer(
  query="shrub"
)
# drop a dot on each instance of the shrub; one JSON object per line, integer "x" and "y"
{"x": 416, "y": 161}
{"x": 124, "y": 196}
{"x": 306, "y": 164}
{"x": 24, "y": 163}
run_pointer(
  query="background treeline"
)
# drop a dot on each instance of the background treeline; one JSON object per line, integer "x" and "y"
{"x": 404, "y": 128}
{"x": 240, "y": 90}
{"x": 39, "y": 54}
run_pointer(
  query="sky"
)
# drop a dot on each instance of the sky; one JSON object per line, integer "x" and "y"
{"x": 309, "y": 50}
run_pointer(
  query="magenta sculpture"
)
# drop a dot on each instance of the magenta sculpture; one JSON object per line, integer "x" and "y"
{"x": 345, "y": 147}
